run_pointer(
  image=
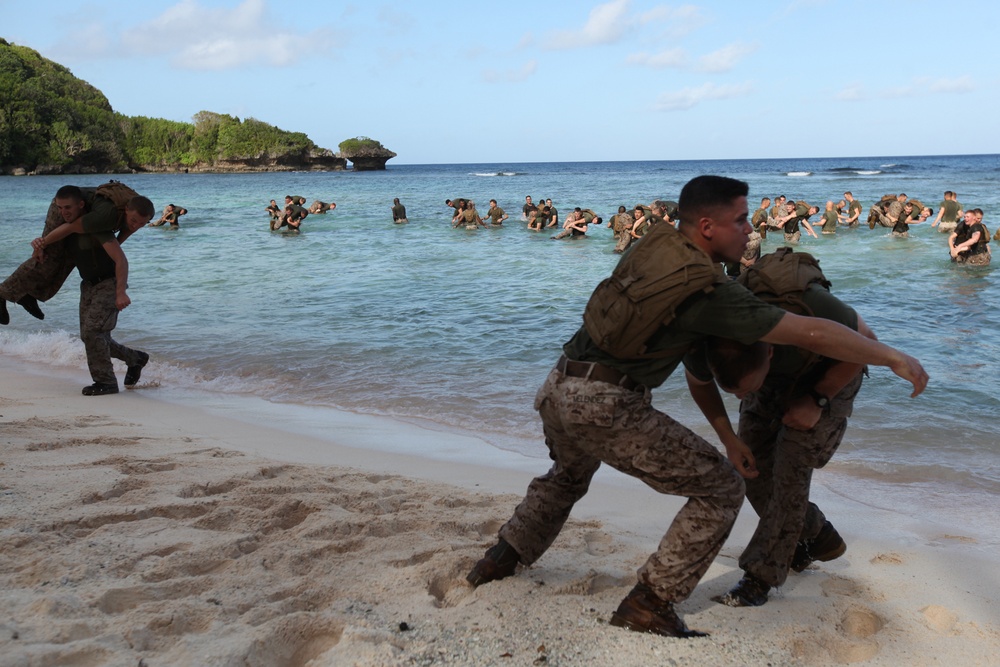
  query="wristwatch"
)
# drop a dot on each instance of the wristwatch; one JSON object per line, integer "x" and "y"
{"x": 821, "y": 400}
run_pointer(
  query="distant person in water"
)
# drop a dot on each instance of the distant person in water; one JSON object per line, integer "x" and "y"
{"x": 496, "y": 214}
{"x": 575, "y": 226}
{"x": 398, "y": 212}
{"x": 949, "y": 213}
{"x": 292, "y": 217}
{"x": 171, "y": 215}
{"x": 969, "y": 243}
{"x": 319, "y": 207}
{"x": 273, "y": 212}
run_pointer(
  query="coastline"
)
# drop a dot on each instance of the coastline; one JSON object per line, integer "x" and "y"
{"x": 187, "y": 531}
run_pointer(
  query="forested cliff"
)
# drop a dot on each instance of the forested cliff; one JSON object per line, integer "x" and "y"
{"x": 52, "y": 122}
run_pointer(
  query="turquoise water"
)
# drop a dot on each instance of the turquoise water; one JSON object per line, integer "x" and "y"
{"x": 457, "y": 329}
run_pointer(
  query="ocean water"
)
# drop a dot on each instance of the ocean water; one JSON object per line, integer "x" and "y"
{"x": 456, "y": 329}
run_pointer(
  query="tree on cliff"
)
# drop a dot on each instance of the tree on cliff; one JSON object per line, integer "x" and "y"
{"x": 50, "y": 117}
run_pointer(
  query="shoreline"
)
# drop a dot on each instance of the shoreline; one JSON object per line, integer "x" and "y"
{"x": 136, "y": 528}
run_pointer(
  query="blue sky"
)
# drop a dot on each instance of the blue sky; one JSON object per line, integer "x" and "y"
{"x": 515, "y": 81}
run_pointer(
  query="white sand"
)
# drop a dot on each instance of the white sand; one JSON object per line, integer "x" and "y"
{"x": 135, "y": 531}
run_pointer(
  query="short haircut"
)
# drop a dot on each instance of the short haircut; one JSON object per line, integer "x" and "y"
{"x": 730, "y": 361}
{"x": 492, "y": 201}
{"x": 70, "y": 192}
{"x": 142, "y": 206}
{"x": 598, "y": 220}
{"x": 765, "y": 199}
{"x": 848, "y": 194}
{"x": 708, "y": 192}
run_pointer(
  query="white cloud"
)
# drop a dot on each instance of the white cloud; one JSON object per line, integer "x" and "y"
{"x": 675, "y": 22}
{"x": 670, "y": 58}
{"x": 511, "y": 76}
{"x": 610, "y": 22}
{"x": 691, "y": 97}
{"x": 606, "y": 24}
{"x": 853, "y": 92}
{"x": 725, "y": 58}
{"x": 926, "y": 86}
{"x": 204, "y": 38}
{"x": 962, "y": 84}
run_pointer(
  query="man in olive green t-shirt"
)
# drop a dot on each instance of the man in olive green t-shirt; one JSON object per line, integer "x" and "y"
{"x": 41, "y": 277}
{"x": 596, "y": 409}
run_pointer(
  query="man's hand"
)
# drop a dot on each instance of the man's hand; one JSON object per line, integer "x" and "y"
{"x": 122, "y": 301}
{"x": 910, "y": 370}
{"x": 802, "y": 414}
{"x": 742, "y": 459}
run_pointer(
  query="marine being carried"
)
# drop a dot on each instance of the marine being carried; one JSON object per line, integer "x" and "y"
{"x": 321, "y": 207}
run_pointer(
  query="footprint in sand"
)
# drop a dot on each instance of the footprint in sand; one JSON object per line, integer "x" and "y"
{"x": 593, "y": 583}
{"x": 598, "y": 543}
{"x": 940, "y": 618}
{"x": 887, "y": 559}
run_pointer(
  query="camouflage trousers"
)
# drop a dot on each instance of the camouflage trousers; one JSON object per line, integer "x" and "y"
{"x": 98, "y": 318}
{"x": 982, "y": 259}
{"x": 947, "y": 227}
{"x": 587, "y": 423}
{"x": 786, "y": 459}
{"x": 624, "y": 241}
{"x": 41, "y": 280}
{"x": 794, "y": 237}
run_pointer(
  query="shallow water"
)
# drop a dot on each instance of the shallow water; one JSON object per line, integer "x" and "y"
{"x": 457, "y": 328}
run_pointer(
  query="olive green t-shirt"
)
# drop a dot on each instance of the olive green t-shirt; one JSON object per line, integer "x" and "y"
{"x": 855, "y": 207}
{"x": 728, "y": 311}
{"x": 495, "y": 214}
{"x": 829, "y": 222}
{"x": 92, "y": 261}
{"x": 104, "y": 216}
{"x": 950, "y": 208}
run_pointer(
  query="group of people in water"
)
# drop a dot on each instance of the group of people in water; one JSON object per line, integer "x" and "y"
{"x": 968, "y": 240}
{"x": 295, "y": 211}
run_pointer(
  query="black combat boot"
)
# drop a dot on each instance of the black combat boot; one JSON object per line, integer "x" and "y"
{"x": 748, "y": 592}
{"x": 30, "y": 304}
{"x": 826, "y": 546}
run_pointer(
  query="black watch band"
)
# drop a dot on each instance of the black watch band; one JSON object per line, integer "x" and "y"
{"x": 821, "y": 400}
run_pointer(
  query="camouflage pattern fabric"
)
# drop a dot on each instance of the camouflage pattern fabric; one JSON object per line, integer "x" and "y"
{"x": 785, "y": 459}
{"x": 587, "y": 423}
{"x": 98, "y": 318}
{"x": 41, "y": 280}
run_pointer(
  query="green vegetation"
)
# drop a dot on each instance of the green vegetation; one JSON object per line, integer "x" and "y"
{"x": 363, "y": 147}
{"x": 51, "y": 120}
{"x": 49, "y": 117}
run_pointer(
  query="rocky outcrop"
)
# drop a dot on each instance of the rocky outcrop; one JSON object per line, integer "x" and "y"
{"x": 370, "y": 163}
{"x": 366, "y": 154}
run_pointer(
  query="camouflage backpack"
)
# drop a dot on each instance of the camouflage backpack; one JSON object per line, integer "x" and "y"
{"x": 781, "y": 277}
{"x": 651, "y": 282}
{"x": 117, "y": 192}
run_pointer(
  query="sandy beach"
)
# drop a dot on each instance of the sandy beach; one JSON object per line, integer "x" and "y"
{"x": 139, "y": 531}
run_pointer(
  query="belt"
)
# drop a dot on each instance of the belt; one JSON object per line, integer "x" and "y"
{"x": 590, "y": 370}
